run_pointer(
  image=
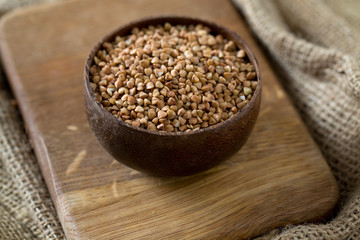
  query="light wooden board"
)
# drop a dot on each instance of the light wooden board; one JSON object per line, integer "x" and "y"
{"x": 278, "y": 177}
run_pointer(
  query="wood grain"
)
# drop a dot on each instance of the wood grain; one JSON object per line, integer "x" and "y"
{"x": 279, "y": 176}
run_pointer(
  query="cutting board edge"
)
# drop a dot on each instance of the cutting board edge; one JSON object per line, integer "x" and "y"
{"x": 329, "y": 199}
{"x": 36, "y": 141}
{"x": 20, "y": 95}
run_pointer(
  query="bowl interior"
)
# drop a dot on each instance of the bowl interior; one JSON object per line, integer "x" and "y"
{"x": 174, "y": 20}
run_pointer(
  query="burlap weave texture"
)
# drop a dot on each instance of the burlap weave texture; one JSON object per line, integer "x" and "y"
{"x": 26, "y": 210}
{"x": 315, "y": 46}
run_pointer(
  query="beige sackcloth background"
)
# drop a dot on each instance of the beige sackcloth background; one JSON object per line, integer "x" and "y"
{"x": 315, "y": 48}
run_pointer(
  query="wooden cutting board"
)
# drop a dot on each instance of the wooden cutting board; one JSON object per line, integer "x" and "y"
{"x": 279, "y": 177}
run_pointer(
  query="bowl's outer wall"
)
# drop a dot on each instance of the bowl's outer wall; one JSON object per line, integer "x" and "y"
{"x": 171, "y": 154}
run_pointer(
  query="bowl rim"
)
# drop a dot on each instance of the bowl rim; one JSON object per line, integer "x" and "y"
{"x": 171, "y": 18}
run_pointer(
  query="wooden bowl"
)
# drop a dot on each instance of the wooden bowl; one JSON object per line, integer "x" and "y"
{"x": 171, "y": 154}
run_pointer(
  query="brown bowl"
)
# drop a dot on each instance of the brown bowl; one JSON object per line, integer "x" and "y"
{"x": 164, "y": 153}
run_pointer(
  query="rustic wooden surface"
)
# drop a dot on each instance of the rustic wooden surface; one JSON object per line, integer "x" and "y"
{"x": 278, "y": 177}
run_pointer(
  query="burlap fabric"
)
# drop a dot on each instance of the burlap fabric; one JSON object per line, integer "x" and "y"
{"x": 26, "y": 210}
{"x": 315, "y": 46}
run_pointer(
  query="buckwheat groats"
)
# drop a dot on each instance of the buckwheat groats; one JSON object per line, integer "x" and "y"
{"x": 172, "y": 78}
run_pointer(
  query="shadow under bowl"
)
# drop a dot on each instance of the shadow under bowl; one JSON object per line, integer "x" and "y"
{"x": 170, "y": 153}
